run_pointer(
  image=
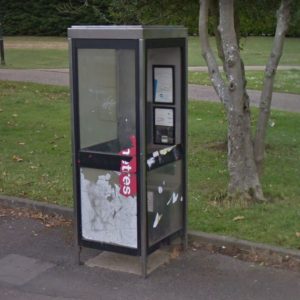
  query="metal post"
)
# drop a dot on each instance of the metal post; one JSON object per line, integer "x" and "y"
{"x": 2, "y": 46}
{"x": 142, "y": 114}
{"x": 184, "y": 61}
{"x": 78, "y": 249}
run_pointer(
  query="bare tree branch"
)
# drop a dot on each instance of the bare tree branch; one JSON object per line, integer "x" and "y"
{"x": 283, "y": 16}
{"x": 216, "y": 78}
{"x": 214, "y": 9}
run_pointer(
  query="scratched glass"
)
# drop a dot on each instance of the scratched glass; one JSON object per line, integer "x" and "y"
{"x": 164, "y": 201}
{"x": 106, "y": 80}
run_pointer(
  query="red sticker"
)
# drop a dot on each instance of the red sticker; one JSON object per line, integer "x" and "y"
{"x": 128, "y": 184}
{"x": 127, "y": 178}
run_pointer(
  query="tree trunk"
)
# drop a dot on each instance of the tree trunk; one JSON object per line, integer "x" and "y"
{"x": 283, "y": 16}
{"x": 244, "y": 182}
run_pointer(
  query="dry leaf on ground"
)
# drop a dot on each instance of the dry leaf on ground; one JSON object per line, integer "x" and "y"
{"x": 238, "y": 218}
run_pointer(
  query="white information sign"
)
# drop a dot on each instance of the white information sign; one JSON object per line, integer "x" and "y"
{"x": 163, "y": 85}
{"x": 164, "y": 117}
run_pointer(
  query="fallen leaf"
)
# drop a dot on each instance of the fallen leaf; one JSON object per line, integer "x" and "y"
{"x": 17, "y": 158}
{"x": 21, "y": 143}
{"x": 271, "y": 123}
{"x": 15, "y": 115}
{"x": 1, "y": 110}
{"x": 238, "y": 218}
{"x": 298, "y": 234}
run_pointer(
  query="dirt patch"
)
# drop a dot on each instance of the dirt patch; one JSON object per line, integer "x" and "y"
{"x": 261, "y": 257}
{"x": 217, "y": 146}
{"x": 47, "y": 220}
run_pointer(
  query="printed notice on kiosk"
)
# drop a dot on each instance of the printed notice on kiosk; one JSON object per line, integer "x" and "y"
{"x": 164, "y": 117}
{"x": 164, "y": 126}
{"x": 163, "y": 84}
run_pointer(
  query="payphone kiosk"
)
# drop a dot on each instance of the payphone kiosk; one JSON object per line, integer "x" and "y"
{"x": 129, "y": 99}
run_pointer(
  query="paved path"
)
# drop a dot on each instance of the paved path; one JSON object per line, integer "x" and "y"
{"x": 247, "y": 68}
{"x": 282, "y": 101}
{"x": 37, "y": 263}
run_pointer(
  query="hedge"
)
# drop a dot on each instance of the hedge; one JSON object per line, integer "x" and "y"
{"x": 44, "y": 17}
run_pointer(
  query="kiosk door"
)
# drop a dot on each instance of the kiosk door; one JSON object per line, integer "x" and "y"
{"x": 166, "y": 140}
{"x": 105, "y": 153}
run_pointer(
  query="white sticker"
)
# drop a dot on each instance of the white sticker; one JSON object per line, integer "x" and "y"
{"x": 150, "y": 201}
{"x": 157, "y": 219}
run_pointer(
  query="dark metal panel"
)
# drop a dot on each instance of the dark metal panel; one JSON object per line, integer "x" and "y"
{"x": 101, "y": 161}
{"x": 73, "y": 151}
{"x": 142, "y": 158}
{"x": 184, "y": 134}
{"x": 165, "y": 240}
{"x": 76, "y": 139}
{"x": 108, "y": 247}
{"x": 179, "y": 43}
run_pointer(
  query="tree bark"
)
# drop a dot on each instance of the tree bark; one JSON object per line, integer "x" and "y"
{"x": 244, "y": 181}
{"x": 283, "y": 15}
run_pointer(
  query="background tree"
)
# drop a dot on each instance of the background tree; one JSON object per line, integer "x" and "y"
{"x": 43, "y": 17}
{"x": 245, "y": 152}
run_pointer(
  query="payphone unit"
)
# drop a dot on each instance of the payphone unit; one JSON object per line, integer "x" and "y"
{"x": 129, "y": 100}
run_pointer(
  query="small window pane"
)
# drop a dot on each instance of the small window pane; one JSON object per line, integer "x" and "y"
{"x": 164, "y": 201}
{"x": 106, "y": 79}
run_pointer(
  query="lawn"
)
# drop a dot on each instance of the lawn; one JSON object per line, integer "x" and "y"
{"x": 255, "y": 51}
{"x": 36, "y": 59}
{"x": 51, "y": 52}
{"x": 35, "y": 142}
{"x": 34, "y": 52}
{"x": 285, "y": 81}
{"x": 36, "y": 163}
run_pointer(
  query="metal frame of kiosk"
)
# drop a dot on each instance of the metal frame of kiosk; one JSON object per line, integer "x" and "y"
{"x": 129, "y": 108}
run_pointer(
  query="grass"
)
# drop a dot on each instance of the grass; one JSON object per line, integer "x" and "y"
{"x": 36, "y": 163}
{"x": 255, "y": 51}
{"x": 34, "y": 52}
{"x": 285, "y": 81}
{"x": 36, "y": 59}
{"x": 276, "y": 222}
{"x": 51, "y": 52}
{"x": 35, "y": 142}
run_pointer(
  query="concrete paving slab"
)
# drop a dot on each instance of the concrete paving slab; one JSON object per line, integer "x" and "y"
{"x": 127, "y": 263}
{"x": 194, "y": 275}
{"x": 18, "y": 269}
{"x": 11, "y": 294}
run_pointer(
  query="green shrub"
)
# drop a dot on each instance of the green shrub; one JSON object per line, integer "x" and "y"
{"x": 44, "y": 17}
